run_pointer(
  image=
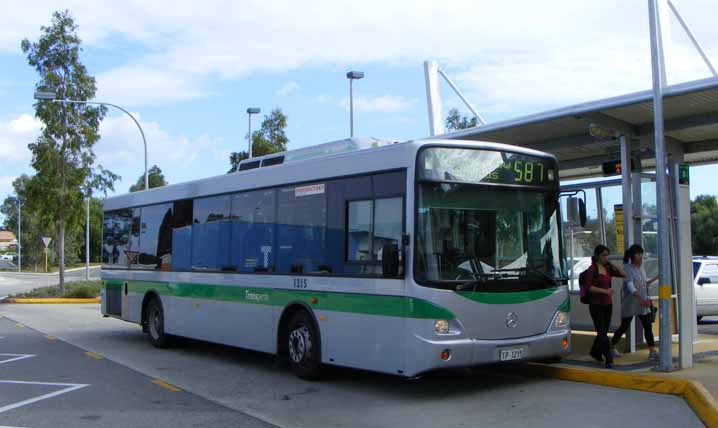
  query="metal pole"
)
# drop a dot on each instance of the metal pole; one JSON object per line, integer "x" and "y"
{"x": 351, "y": 109}
{"x": 664, "y": 287}
{"x": 692, "y": 37}
{"x": 144, "y": 140}
{"x": 249, "y": 136}
{"x": 458, "y": 92}
{"x": 19, "y": 233}
{"x": 87, "y": 239}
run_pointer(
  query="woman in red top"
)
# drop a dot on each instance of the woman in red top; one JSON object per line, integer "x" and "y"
{"x": 600, "y": 304}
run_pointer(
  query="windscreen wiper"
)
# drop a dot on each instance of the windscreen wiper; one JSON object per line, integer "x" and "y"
{"x": 553, "y": 280}
{"x": 481, "y": 280}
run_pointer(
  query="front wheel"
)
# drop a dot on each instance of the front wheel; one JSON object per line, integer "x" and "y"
{"x": 156, "y": 324}
{"x": 303, "y": 347}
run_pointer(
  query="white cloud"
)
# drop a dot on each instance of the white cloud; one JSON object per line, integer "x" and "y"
{"x": 287, "y": 89}
{"x": 15, "y": 135}
{"x": 378, "y": 104}
{"x": 515, "y": 48}
{"x": 139, "y": 84}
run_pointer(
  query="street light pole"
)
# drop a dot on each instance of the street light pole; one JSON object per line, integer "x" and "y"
{"x": 87, "y": 237}
{"x": 19, "y": 232}
{"x": 352, "y": 75}
{"x": 250, "y": 112}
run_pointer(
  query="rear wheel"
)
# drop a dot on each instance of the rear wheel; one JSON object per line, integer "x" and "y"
{"x": 303, "y": 347}
{"x": 156, "y": 324}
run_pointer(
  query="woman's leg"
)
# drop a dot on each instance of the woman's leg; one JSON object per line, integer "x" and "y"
{"x": 597, "y": 319}
{"x": 625, "y": 323}
{"x": 647, "y": 330}
{"x": 607, "y": 311}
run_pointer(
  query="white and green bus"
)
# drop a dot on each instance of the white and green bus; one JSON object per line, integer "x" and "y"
{"x": 399, "y": 258}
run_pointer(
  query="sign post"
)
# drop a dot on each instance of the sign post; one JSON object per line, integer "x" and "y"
{"x": 46, "y": 242}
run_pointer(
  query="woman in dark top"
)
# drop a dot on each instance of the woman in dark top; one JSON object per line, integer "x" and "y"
{"x": 600, "y": 303}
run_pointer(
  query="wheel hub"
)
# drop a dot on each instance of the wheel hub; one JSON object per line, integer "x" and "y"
{"x": 300, "y": 344}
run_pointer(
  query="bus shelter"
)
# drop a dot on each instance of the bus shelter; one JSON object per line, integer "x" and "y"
{"x": 613, "y": 137}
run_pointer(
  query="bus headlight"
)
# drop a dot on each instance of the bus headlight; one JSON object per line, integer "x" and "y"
{"x": 441, "y": 326}
{"x": 561, "y": 321}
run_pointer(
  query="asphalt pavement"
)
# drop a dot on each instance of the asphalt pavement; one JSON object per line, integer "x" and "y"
{"x": 45, "y": 382}
{"x": 249, "y": 382}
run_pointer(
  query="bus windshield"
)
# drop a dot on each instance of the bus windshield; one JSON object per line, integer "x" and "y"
{"x": 476, "y": 233}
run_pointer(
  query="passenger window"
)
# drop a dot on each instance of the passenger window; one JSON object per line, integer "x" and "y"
{"x": 211, "y": 230}
{"x": 132, "y": 250}
{"x": 301, "y": 229}
{"x": 359, "y": 230}
{"x": 116, "y": 237}
{"x": 182, "y": 235}
{"x": 387, "y": 224}
{"x": 371, "y": 225}
{"x": 155, "y": 246}
{"x": 253, "y": 231}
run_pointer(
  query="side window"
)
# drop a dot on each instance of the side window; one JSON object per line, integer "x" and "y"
{"x": 115, "y": 238}
{"x": 133, "y": 247}
{"x": 211, "y": 233}
{"x": 388, "y": 224}
{"x": 370, "y": 225}
{"x": 359, "y": 222}
{"x": 301, "y": 229}
{"x": 182, "y": 235}
{"x": 710, "y": 271}
{"x": 155, "y": 246}
{"x": 253, "y": 231}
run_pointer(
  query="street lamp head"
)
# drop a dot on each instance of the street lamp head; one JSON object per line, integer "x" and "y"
{"x": 253, "y": 110}
{"x": 45, "y": 95}
{"x": 355, "y": 75}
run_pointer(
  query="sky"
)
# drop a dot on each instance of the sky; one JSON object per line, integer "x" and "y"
{"x": 188, "y": 70}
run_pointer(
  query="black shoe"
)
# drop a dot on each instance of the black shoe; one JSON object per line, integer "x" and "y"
{"x": 598, "y": 357}
{"x": 609, "y": 365}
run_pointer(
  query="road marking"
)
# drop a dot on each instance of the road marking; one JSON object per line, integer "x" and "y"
{"x": 69, "y": 387}
{"x": 166, "y": 385}
{"x": 18, "y": 357}
{"x": 93, "y": 355}
{"x": 18, "y": 325}
{"x": 49, "y": 338}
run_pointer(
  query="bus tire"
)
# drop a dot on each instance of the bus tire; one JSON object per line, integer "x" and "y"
{"x": 303, "y": 347}
{"x": 156, "y": 324}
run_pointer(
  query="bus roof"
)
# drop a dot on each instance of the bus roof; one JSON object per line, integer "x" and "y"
{"x": 368, "y": 155}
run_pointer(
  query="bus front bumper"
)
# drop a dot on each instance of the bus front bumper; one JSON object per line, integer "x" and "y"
{"x": 432, "y": 354}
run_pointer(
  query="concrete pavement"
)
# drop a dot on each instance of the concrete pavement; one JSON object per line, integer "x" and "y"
{"x": 249, "y": 382}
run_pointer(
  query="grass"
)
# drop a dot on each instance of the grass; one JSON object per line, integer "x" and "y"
{"x": 75, "y": 289}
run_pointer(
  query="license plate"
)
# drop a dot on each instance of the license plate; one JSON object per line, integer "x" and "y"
{"x": 511, "y": 354}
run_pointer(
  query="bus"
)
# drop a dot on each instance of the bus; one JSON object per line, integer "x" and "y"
{"x": 399, "y": 258}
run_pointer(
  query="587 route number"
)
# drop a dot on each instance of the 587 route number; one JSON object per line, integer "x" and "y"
{"x": 301, "y": 283}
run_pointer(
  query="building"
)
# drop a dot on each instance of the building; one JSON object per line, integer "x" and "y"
{"x": 7, "y": 240}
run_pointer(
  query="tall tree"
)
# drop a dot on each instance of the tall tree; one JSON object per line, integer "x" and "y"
{"x": 155, "y": 178}
{"x": 704, "y": 225}
{"x": 455, "y": 122}
{"x": 270, "y": 138}
{"x": 62, "y": 154}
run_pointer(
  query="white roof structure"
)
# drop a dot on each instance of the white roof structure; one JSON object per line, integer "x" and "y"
{"x": 690, "y": 118}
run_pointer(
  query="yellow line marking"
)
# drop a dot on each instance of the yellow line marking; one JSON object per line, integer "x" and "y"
{"x": 51, "y": 337}
{"x": 93, "y": 355}
{"x": 53, "y": 300}
{"x": 166, "y": 385}
{"x": 18, "y": 325}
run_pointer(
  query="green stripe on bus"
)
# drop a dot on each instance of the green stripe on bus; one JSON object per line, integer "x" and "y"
{"x": 369, "y": 304}
{"x": 507, "y": 298}
{"x": 565, "y": 306}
